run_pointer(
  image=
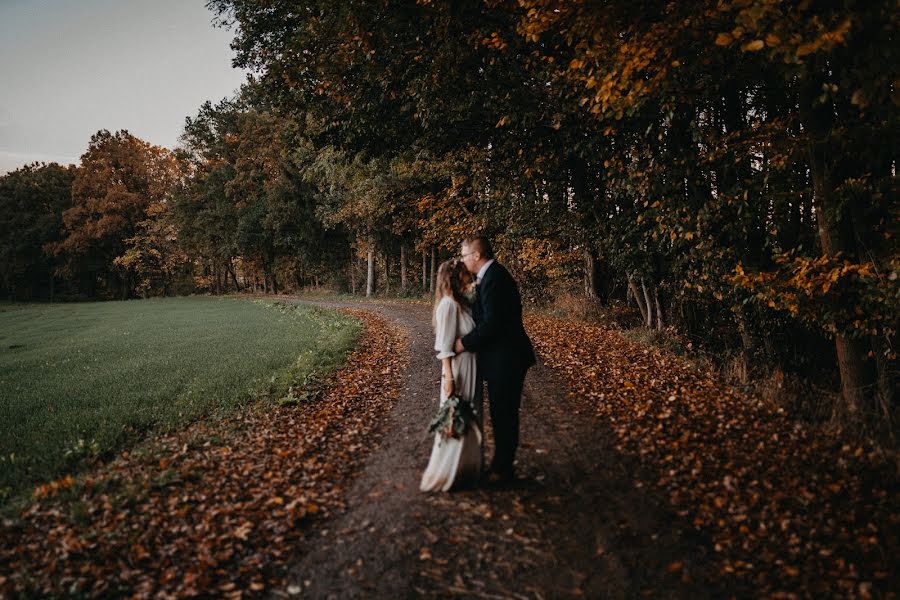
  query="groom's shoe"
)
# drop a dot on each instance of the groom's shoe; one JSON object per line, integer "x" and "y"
{"x": 500, "y": 477}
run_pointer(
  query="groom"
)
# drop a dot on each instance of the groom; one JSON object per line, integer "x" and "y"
{"x": 504, "y": 350}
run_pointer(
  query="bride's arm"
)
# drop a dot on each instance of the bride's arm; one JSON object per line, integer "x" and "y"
{"x": 445, "y": 329}
{"x": 444, "y": 336}
{"x": 447, "y": 383}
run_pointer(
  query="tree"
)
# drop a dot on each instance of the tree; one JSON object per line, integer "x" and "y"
{"x": 32, "y": 202}
{"x": 119, "y": 179}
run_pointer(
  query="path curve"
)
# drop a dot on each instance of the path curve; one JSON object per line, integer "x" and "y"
{"x": 575, "y": 526}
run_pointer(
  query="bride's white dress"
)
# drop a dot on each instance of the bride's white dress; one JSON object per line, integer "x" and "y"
{"x": 456, "y": 462}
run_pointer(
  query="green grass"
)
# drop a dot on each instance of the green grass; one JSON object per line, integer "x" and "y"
{"x": 81, "y": 381}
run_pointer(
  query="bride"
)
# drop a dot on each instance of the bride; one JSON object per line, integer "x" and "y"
{"x": 455, "y": 462}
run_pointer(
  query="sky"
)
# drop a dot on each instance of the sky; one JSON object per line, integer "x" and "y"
{"x": 69, "y": 68}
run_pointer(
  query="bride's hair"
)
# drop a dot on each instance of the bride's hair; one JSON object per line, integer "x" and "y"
{"x": 452, "y": 278}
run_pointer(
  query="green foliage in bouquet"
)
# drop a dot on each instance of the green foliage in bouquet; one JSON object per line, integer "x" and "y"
{"x": 453, "y": 418}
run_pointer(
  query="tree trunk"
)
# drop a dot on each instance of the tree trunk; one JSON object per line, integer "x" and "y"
{"x": 637, "y": 298}
{"x": 649, "y": 304}
{"x": 404, "y": 282}
{"x": 749, "y": 343}
{"x": 659, "y": 311}
{"x": 424, "y": 270}
{"x": 856, "y": 377}
{"x": 230, "y": 266}
{"x": 387, "y": 273}
{"x": 590, "y": 274}
{"x": 352, "y": 272}
{"x": 432, "y": 279}
{"x": 370, "y": 273}
{"x": 835, "y": 236}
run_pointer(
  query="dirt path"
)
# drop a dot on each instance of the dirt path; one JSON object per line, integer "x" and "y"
{"x": 575, "y": 526}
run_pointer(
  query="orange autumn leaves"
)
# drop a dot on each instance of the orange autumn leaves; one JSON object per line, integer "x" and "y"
{"x": 786, "y": 509}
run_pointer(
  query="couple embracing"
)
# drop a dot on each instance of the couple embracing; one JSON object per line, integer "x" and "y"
{"x": 479, "y": 336}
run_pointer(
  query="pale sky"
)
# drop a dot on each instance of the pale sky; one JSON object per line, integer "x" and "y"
{"x": 71, "y": 67}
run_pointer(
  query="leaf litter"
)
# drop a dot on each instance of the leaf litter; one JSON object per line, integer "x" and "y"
{"x": 789, "y": 510}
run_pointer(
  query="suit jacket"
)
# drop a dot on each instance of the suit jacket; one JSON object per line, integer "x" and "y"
{"x": 499, "y": 338}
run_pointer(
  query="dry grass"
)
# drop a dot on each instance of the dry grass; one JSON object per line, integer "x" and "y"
{"x": 574, "y": 305}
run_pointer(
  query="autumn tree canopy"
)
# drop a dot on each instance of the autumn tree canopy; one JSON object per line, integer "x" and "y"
{"x": 728, "y": 168}
{"x": 712, "y": 160}
{"x": 112, "y": 234}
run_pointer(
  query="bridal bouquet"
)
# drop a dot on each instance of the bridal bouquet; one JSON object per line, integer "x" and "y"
{"x": 453, "y": 418}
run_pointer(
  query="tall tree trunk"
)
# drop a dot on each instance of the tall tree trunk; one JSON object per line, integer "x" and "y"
{"x": 648, "y": 304}
{"x": 370, "y": 273}
{"x": 272, "y": 257}
{"x": 352, "y": 271}
{"x": 749, "y": 340}
{"x": 583, "y": 196}
{"x": 230, "y": 266}
{"x": 637, "y": 298}
{"x": 387, "y": 272}
{"x": 404, "y": 282}
{"x": 659, "y": 311}
{"x": 432, "y": 279}
{"x": 590, "y": 274}
{"x": 835, "y": 231}
{"x": 424, "y": 270}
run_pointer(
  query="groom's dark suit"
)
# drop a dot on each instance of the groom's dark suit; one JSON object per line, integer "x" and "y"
{"x": 504, "y": 355}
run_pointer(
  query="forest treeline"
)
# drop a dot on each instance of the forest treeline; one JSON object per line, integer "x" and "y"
{"x": 730, "y": 167}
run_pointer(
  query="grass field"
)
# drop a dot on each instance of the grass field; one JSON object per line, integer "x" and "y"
{"x": 78, "y": 381}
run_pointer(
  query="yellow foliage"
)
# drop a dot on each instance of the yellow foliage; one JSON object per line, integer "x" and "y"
{"x": 542, "y": 257}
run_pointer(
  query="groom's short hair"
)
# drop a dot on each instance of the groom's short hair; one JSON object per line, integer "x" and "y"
{"x": 480, "y": 242}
